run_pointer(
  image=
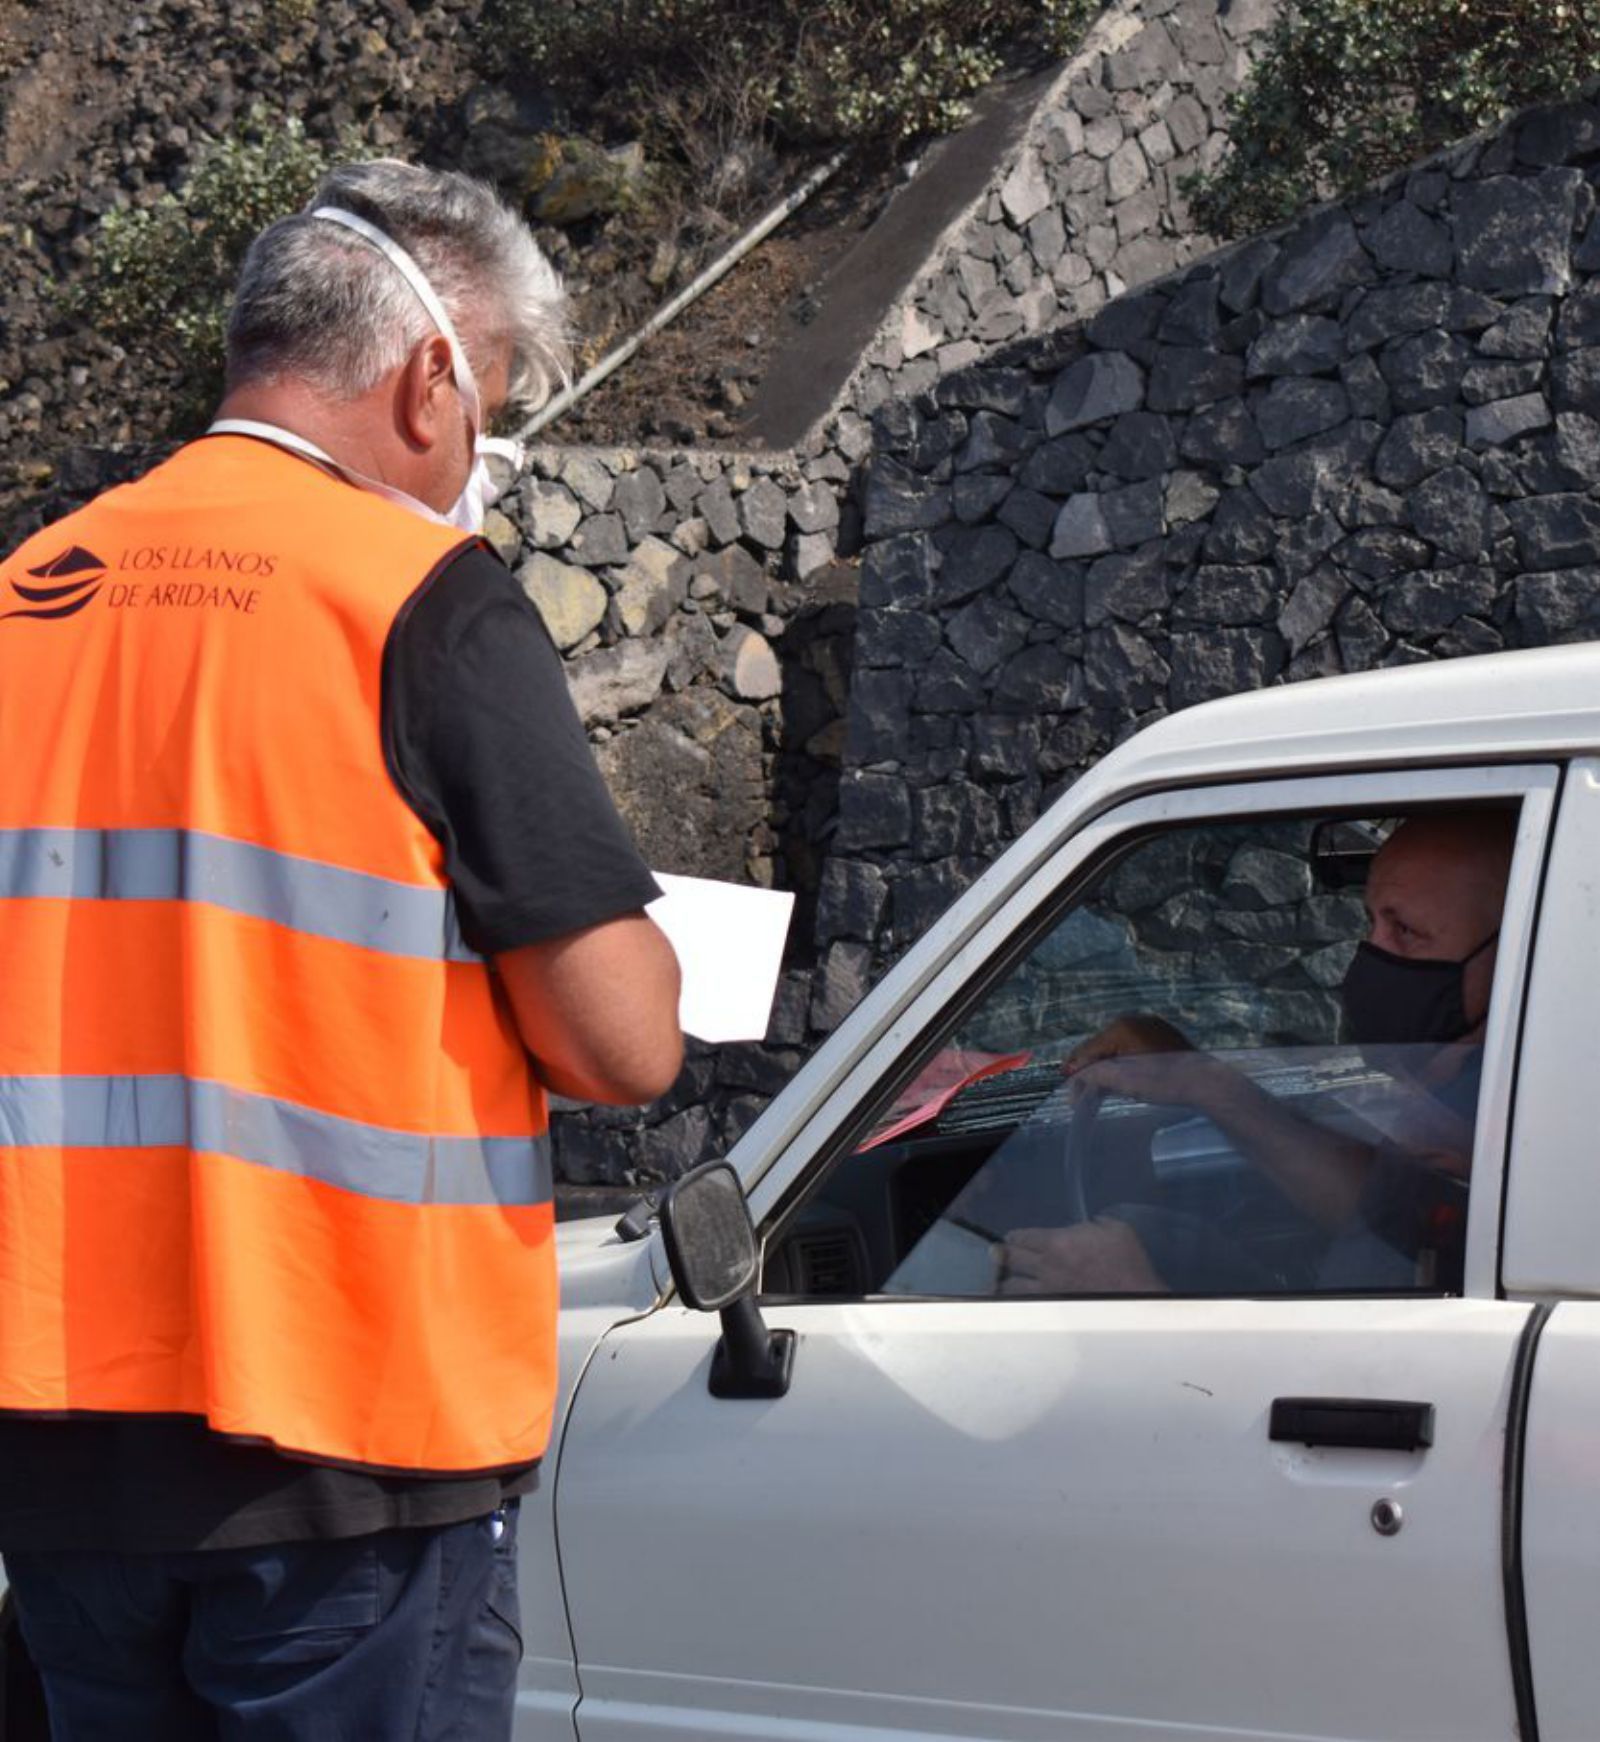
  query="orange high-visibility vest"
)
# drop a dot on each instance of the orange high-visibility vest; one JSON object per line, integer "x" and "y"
{"x": 271, "y": 1153}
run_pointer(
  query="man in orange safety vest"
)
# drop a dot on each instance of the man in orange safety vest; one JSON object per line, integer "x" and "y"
{"x": 309, "y": 892}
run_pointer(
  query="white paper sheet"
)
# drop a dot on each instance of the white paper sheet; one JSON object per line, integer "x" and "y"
{"x": 729, "y": 943}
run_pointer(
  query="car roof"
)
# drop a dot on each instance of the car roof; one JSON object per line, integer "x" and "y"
{"x": 1493, "y": 707}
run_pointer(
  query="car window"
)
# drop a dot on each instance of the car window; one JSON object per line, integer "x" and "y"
{"x": 1244, "y": 1060}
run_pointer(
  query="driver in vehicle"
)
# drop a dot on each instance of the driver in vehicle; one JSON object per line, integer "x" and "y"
{"x": 1415, "y": 1000}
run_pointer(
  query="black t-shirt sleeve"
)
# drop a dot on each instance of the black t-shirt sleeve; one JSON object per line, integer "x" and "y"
{"x": 486, "y": 746}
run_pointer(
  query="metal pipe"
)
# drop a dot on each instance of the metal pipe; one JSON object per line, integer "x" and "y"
{"x": 668, "y": 312}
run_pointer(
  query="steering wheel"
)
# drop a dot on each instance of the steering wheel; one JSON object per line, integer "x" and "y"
{"x": 1076, "y": 1151}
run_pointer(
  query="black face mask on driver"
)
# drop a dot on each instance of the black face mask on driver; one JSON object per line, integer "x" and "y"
{"x": 1392, "y": 1000}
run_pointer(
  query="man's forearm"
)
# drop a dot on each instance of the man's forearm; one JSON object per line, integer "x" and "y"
{"x": 597, "y": 1010}
{"x": 1321, "y": 1172}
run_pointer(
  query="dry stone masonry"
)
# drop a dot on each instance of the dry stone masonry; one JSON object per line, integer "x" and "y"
{"x": 1091, "y": 205}
{"x": 714, "y": 688}
{"x": 1089, "y": 473}
{"x": 706, "y": 602}
{"x": 1369, "y": 439}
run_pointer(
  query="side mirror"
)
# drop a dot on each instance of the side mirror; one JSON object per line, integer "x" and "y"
{"x": 711, "y": 1247}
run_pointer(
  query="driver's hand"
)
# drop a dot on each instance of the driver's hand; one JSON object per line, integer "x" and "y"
{"x": 1145, "y": 1059}
{"x": 1099, "y": 1257}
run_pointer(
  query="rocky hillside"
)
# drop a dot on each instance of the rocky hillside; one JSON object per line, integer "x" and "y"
{"x": 106, "y": 105}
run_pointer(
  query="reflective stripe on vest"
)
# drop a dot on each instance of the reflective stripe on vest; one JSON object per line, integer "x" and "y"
{"x": 271, "y": 1154}
{"x": 352, "y": 907}
{"x": 212, "y": 1119}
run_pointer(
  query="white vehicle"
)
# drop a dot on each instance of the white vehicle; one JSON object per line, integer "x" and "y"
{"x": 1347, "y": 1485}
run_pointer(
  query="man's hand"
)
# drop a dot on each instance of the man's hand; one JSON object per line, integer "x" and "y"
{"x": 598, "y": 1010}
{"x": 1147, "y": 1060}
{"x": 1099, "y": 1257}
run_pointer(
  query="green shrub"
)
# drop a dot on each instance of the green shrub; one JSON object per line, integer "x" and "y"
{"x": 161, "y": 276}
{"x": 1343, "y": 91}
{"x": 828, "y": 71}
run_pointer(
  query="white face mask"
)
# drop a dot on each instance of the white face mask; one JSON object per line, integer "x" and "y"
{"x": 482, "y": 487}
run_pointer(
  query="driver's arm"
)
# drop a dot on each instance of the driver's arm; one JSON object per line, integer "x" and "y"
{"x": 1321, "y": 1172}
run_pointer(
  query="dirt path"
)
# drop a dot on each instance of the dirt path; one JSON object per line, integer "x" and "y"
{"x": 694, "y": 382}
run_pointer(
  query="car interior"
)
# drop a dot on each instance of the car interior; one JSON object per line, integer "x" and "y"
{"x": 1237, "y": 934}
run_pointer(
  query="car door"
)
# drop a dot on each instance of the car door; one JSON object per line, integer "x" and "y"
{"x": 979, "y": 1514}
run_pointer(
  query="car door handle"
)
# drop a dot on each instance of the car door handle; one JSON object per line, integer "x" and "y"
{"x": 1372, "y": 1423}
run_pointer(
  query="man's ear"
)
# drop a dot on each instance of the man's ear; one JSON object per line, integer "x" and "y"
{"x": 427, "y": 393}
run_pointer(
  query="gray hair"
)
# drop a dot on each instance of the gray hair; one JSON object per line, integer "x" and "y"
{"x": 317, "y": 301}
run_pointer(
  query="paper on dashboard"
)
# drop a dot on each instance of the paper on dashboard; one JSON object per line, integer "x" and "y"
{"x": 729, "y": 941}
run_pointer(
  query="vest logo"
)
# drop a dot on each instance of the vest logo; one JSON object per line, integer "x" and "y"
{"x": 74, "y": 579}
{"x": 76, "y": 575}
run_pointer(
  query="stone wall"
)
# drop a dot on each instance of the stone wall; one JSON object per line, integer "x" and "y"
{"x": 706, "y": 602}
{"x": 1087, "y": 472}
{"x": 714, "y": 690}
{"x": 1371, "y": 438}
{"x": 1091, "y": 205}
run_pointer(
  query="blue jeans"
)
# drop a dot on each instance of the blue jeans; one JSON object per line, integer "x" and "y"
{"x": 403, "y": 1636}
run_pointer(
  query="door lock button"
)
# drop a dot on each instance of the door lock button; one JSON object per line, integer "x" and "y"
{"x": 1387, "y": 1517}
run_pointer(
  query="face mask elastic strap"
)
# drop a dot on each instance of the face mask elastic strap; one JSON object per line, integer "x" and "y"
{"x": 1472, "y": 955}
{"x": 278, "y": 436}
{"x": 1430, "y": 962}
{"x": 426, "y": 295}
{"x": 298, "y": 444}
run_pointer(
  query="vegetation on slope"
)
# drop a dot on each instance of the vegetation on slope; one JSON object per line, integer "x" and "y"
{"x": 161, "y": 275}
{"x": 719, "y": 90}
{"x": 1344, "y": 91}
{"x": 828, "y": 71}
